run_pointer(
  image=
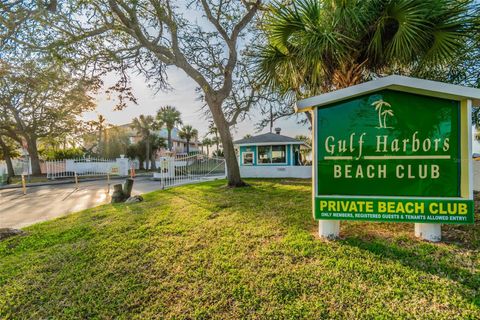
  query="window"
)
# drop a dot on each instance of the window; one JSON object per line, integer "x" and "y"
{"x": 279, "y": 154}
{"x": 247, "y": 158}
{"x": 272, "y": 154}
{"x": 264, "y": 154}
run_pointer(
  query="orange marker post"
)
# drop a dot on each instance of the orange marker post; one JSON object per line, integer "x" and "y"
{"x": 76, "y": 180}
{"x": 24, "y": 185}
{"x": 132, "y": 171}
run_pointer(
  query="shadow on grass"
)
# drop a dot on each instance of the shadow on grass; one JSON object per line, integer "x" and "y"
{"x": 425, "y": 257}
{"x": 454, "y": 258}
{"x": 288, "y": 203}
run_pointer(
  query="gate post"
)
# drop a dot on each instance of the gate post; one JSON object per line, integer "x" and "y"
{"x": 122, "y": 166}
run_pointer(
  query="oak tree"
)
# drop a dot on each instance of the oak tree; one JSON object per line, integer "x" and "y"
{"x": 203, "y": 38}
{"x": 38, "y": 101}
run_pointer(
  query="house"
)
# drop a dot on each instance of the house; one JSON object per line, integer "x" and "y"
{"x": 179, "y": 145}
{"x": 272, "y": 155}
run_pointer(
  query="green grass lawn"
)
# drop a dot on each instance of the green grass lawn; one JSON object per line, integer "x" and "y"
{"x": 206, "y": 251}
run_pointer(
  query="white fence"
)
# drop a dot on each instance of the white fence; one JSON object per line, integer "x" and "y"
{"x": 86, "y": 167}
{"x": 304, "y": 172}
{"x": 178, "y": 170}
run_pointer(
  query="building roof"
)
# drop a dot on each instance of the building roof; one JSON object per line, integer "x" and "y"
{"x": 268, "y": 138}
{"x": 394, "y": 82}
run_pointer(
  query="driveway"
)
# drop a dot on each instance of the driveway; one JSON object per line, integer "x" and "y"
{"x": 49, "y": 202}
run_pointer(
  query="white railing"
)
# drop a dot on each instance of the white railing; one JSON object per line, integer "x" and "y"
{"x": 86, "y": 167}
{"x": 178, "y": 170}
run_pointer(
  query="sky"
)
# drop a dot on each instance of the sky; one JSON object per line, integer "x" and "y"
{"x": 184, "y": 98}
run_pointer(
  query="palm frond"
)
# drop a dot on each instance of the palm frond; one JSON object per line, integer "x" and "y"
{"x": 315, "y": 46}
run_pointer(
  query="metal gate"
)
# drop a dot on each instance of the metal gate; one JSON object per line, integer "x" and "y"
{"x": 93, "y": 167}
{"x": 177, "y": 170}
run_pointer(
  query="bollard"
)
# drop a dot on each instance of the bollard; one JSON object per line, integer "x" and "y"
{"x": 24, "y": 185}
{"x": 108, "y": 183}
{"x": 76, "y": 180}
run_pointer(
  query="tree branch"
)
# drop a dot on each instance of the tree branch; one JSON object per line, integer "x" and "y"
{"x": 232, "y": 43}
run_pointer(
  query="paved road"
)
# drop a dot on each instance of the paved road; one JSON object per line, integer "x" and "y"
{"x": 49, "y": 202}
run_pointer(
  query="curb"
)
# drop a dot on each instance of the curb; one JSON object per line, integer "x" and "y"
{"x": 54, "y": 183}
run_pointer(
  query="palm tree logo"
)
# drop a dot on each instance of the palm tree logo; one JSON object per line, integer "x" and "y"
{"x": 384, "y": 109}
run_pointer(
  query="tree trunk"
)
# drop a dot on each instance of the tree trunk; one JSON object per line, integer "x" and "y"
{"x": 100, "y": 147}
{"x": 208, "y": 150}
{"x": 33, "y": 155}
{"x": 8, "y": 159}
{"x": 380, "y": 117}
{"x": 169, "y": 137}
{"x": 117, "y": 195}
{"x": 153, "y": 165}
{"x": 233, "y": 170}
{"x": 147, "y": 151}
{"x": 188, "y": 147}
{"x": 309, "y": 115}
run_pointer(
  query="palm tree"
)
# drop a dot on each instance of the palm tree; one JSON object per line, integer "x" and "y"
{"x": 144, "y": 125}
{"x": 304, "y": 138}
{"x": 315, "y": 46}
{"x": 379, "y": 104}
{"x": 212, "y": 129}
{"x": 207, "y": 142}
{"x": 188, "y": 133}
{"x": 156, "y": 142}
{"x": 170, "y": 117}
{"x": 216, "y": 142}
{"x": 100, "y": 126}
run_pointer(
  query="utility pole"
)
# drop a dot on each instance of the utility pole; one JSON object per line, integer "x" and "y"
{"x": 271, "y": 118}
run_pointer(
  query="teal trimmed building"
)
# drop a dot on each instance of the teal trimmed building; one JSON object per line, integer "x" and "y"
{"x": 272, "y": 155}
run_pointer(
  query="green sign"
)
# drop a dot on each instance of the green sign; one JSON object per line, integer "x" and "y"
{"x": 395, "y": 149}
